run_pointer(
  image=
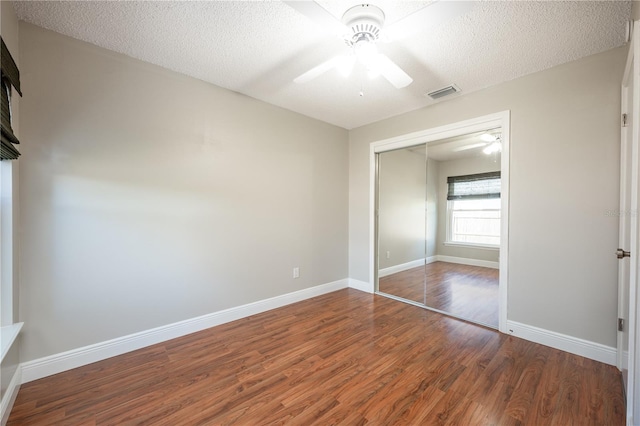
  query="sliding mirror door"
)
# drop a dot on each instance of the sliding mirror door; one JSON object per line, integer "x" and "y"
{"x": 402, "y": 186}
{"x": 439, "y": 223}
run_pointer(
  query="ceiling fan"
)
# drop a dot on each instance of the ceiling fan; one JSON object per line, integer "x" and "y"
{"x": 362, "y": 26}
{"x": 490, "y": 142}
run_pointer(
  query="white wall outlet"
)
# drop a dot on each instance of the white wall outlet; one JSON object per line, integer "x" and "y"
{"x": 296, "y": 272}
{"x": 388, "y": 254}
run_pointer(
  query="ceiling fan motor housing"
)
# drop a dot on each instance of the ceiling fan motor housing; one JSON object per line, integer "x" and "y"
{"x": 365, "y": 22}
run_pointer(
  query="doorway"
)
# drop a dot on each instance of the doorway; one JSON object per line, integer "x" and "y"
{"x": 441, "y": 219}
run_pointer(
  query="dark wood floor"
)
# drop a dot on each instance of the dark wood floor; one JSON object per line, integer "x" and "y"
{"x": 347, "y": 357}
{"x": 469, "y": 292}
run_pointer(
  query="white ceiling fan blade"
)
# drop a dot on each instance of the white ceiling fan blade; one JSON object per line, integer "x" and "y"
{"x": 318, "y": 70}
{"x": 392, "y": 72}
{"x": 430, "y": 16}
{"x": 319, "y": 15}
{"x": 468, "y": 147}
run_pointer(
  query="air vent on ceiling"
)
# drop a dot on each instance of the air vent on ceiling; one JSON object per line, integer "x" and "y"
{"x": 445, "y": 91}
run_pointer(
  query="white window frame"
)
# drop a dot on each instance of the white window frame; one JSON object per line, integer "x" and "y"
{"x": 6, "y": 243}
{"x": 449, "y": 239}
{"x": 9, "y": 329}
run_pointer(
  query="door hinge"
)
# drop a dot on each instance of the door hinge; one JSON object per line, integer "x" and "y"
{"x": 620, "y": 324}
{"x": 624, "y": 120}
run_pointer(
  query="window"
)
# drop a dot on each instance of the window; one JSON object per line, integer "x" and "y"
{"x": 9, "y": 81}
{"x": 10, "y": 77}
{"x": 473, "y": 210}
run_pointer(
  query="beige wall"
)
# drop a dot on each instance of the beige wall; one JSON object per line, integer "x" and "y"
{"x": 635, "y": 10}
{"x": 459, "y": 167}
{"x": 151, "y": 197}
{"x": 401, "y": 208}
{"x": 564, "y": 178}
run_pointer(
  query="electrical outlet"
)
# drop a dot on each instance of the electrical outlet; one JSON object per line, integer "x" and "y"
{"x": 296, "y": 272}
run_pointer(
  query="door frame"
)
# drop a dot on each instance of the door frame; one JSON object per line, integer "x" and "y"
{"x": 632, "y": 74}
{"x": 500, "y": 119}
{"x": 624, "y": 229}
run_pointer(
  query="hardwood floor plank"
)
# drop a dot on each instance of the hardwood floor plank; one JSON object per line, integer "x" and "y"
{"x": 345, "y": 358}
{"x": 469, "y": 292}
{"x": 525, "y": 389}
{"x": 548, "y": 390}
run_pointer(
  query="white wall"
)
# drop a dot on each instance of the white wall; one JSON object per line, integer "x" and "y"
{"x": 402, "y": 181}
{"x": 565, "y": 141}
{"x": 150, "y": 197}
{"x": 462, "y": 166}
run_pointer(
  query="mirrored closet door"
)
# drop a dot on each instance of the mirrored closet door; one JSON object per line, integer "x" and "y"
{"x": 438, "y": 225}
{"x": 402, "y": 223}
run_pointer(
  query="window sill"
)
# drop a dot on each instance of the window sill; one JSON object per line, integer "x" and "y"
{"x": 8, "y": 335}
{"x": 471, "y": 245}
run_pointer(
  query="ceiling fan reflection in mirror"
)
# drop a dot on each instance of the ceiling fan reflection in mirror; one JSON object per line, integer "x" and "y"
{"x": 491, "y": 142}
{"x": 361, "y": 27}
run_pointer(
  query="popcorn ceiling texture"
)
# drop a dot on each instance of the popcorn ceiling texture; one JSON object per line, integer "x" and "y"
{"x": 259, "y": 47}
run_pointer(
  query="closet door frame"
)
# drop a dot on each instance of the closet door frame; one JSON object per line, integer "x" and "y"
{"x": 487, "y": 122}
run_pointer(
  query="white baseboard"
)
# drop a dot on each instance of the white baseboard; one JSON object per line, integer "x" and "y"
{"x": 574, "y": 345}
{"x": 401, "y": 267}
{"x": 471, "y": 262}
{"x": 57, "y": 363}
{"x": 10, "y": 395}
{"x": 437, "y": 258}
{"x": 360, "y": 285}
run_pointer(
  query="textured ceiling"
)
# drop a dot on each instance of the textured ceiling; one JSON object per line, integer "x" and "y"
{"x": 259, "y": 47}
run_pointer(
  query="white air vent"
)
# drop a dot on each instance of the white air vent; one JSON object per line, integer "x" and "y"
{"x": 445, "y": 91}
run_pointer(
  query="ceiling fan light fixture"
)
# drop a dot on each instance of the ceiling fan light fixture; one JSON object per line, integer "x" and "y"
{"x": 366, "y": 52}
{"x": 487, "y": 137}
{"x": 373, "y": 72}
{"x": 345, "y": 65}
{"x": 364, "y": 22}
{"x": 363, "y": 25}
{"x": 493, "y": 148}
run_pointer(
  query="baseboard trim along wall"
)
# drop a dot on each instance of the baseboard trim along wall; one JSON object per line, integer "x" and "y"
{"x": 53, "y": 364}
{"x": 10, "y": 395}
{"x": 466, "y": 261}
{"x": 401, "y": 267}
{"x": 563, "y": 342}
{"x": 437, "y": 258}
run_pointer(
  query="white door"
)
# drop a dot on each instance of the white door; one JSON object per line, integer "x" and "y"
{"x": 628, "y": 337}
{"x": 625, "y": 227}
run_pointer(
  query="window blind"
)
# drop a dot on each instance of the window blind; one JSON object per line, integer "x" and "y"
{"x": 10, "y": 77}
{"x": 477, "y": 186}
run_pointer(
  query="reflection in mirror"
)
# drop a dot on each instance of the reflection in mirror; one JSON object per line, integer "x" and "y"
{"x": 402, "y": 180}
{"x": 454, "y": 268}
